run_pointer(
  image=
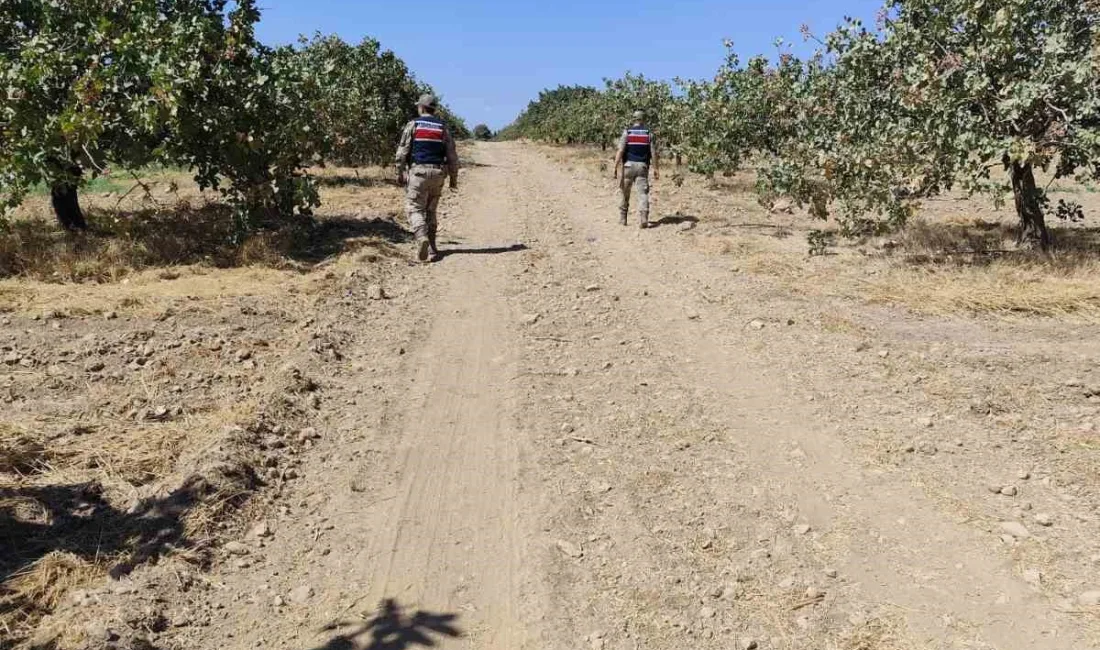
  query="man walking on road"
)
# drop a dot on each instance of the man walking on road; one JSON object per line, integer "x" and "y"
{"x": 637, "y": 152}
{"x": 426, "y": 157}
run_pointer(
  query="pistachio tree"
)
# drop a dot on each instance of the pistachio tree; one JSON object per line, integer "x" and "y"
{"x": 90, "y": 85}
{"x": 971, "y": 94}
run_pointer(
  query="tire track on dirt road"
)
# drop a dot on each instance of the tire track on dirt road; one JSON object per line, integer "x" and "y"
{"x": 895, "y": 545}
{"x": 408, "y": 526}
{"x": 452, "y": 540}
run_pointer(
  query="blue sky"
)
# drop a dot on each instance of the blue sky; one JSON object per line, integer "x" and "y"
{"x": 488, "y": 59}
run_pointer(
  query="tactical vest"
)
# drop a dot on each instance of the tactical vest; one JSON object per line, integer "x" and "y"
{"x": 638, "y": 141}
{"x": 429, "y": 145}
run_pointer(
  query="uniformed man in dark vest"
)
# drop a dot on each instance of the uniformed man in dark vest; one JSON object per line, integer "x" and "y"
{"x": 637, "y": 153}
{"x": 426, "y": 158}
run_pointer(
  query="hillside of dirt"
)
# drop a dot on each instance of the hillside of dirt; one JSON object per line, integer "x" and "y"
{"x": 564, "y": 434}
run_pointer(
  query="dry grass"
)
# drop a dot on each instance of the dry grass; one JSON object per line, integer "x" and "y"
{"x": 959, "y": 257}
{"x": 69, "y": 485}
{"x": 40, "y": 588}
{"x": 883, "y": 632}
{"x": 146, "y": 294}
{"x": 1002, "y": 288}
{"x": 177, "y": 225}
{"x": 20, "y": 453}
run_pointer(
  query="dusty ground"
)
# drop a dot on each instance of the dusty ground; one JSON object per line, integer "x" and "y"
{"x": 565, "y": 434}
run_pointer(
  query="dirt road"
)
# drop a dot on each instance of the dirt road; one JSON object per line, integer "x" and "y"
{"x": 595, "y": 436}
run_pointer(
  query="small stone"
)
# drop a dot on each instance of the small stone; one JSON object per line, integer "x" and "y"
{"x": 95, "y": 366}
{"x": 530, "y": 319}
{"x": 1023, "y": 475}
{"x": 376, "y": 292}
{"x": 279, "y": 601}
{"x": 300, "y": 595}
{"x": 1010, "y": 490}
{"x": 757, "y": 324}
{"x": 831, "y": 573}
{"x": 1089, "y": 599}
{"x": 883, "y": 353}
{"x": 570, "y": 549}
{"x": 708, "y": 612}
{"x": 926, "y": 422}
{"x": 243, "y": 355}
{"x": 1015, "y": 529}
{"x": 802, "y": 529}
{"x": 927, "y": 448}
{"x": 260, "y": 530}
{"x": 98, "y": 632}
{"x": 748, "y": 644}
{"x": 111, "y": 315}
{"x": 814, "y": 592}
{"x": 180, "y": 619}
{"x": 236, "y": 548}
{"x": 994, "y": 488}
{"x": 1044, "y": 519}
{"x": 692, "y": 315}
{"x": 592, "y": 287}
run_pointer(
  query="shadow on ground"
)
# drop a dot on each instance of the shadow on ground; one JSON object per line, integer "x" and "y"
{"x": 979, "y": 242}
{"x": 392, "y": 628}
{"x": 50, "y": 524}
{"x": 493, "y": 250}
{"x": 331, "y": 236}
{"x": 345, "y": 180}
{"x": 674, "y": 220}
{"x": 120, "y": 242}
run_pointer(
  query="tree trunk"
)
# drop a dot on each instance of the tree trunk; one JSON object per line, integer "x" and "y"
{"x": 679, "y": 160}
{"x": 67, "y": 207}
{"x": 1033, "y": 227}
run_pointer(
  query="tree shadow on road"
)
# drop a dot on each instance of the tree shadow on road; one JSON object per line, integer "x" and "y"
{"x": 53, "y": 537}
{"x": 331, "y": 236}
{"x": 348, "y": 180}
{"x": 978, "y": 242}
{"x": 392, "y": 629}
{"x": 492, "y": 250}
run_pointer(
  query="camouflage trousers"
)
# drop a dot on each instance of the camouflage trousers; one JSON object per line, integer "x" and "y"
{"x": 422, "y": 196}
{"x": 635, "y": 176}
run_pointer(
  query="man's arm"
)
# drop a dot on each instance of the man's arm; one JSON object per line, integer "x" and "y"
{"x": 452, "y": 158}
{"x": 404, "y": 150}
{"x": 619, "y": 155}
{"x": 655, "y": 155}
